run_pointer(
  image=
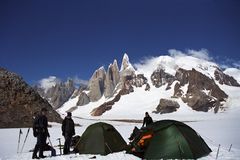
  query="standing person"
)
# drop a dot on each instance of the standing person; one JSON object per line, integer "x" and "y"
{"x": 147, "y": 120}
{"x": 40, "y": 131}
{"x": 68, "y": 131}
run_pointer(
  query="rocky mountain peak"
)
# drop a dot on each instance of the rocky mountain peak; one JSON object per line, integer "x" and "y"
{"x": 55, "y": 91}
{"x": 19, "y": 102}
{"x": 188, "y": 81}
{"x": 112, "y": 79}
{"x": 96, "y": 84}
{"x": 126, "y": 65}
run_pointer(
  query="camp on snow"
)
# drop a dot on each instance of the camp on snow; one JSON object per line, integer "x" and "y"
{"x": 165, "y": 139}
{"x": 169, "y": 139}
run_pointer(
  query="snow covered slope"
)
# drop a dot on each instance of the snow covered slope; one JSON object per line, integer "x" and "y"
{"x": 135, "y": 104}
{"x": 234, "y": 72}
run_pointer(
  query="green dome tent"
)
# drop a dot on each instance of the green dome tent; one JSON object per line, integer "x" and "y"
{"x": 100, "y": 138}
{"x": 174, "y": 140}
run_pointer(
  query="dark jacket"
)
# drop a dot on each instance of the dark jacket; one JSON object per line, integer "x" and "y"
{"x": 147, "y": 120}
{"x": 68, "y": 127}
{"x": 40, "y": 125}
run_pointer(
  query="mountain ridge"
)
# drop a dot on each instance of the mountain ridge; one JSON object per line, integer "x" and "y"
{"x": 19, "y": 102}
{"x": 161, "y": 72}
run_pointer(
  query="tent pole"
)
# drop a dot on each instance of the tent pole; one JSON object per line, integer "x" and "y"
{"x": 218, "y": 151}
{"x": 230, "y": 148}
{"x": 108, "y": 147}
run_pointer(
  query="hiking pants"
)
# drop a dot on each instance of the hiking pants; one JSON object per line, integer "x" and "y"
{"x": 67, "y": 144}
{"x": 41, "y": 141}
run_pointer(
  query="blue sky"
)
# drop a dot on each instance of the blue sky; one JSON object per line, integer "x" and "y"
{"x": 44, "y": 38}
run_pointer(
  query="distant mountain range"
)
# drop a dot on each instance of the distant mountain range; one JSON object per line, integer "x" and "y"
{"x": 167, "y": 81}
{"x": 160, "y": 85}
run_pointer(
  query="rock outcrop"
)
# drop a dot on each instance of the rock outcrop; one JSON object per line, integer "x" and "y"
{"x": 19, "y": 102}
{"x": 112, "y": 79}
{"x": 202, "y": 92}
{"x": 96, "y": 84}
{"x": 58, "y": 94}
{"x": 83, "y": 99}
{"x": 167, "y": 106}
{"x": 98, "y": 111}
{"x": 223, "y": 78}
{"x": 159, "y": 78}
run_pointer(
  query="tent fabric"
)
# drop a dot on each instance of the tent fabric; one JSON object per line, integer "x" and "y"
{"x": 175, "y": 140}
{"x": 100, "y": 138}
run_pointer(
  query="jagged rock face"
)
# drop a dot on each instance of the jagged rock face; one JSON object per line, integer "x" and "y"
{"x": 225, "y": 79}
{"x": 159, "y": 78}
{"x": 78, "y": 91}
{"x": 133, "y": 80}
{"x": 125, "y": 63}
{"x": 96, "y": 85}
{"x": 177, "y": 91}
{"x": 129, "y": 82}
{"x": 167, "y": 106}
{"x": 19, "y": 102}
{"x": 58, "y": 94}
{"x": 200, "y": 101}
{"x": 139, "y": 80}
{"x": 112, "y": 79}
{"x": 198, "y": 84}
{"x": 83, "y": 99}
{"x": 126, "y": 70}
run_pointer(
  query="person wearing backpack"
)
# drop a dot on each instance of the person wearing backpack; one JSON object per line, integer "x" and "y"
{"x": 68, "y": 131}
{"x": 40, "y": 130}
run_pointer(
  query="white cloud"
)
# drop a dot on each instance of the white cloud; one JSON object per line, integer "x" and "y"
{"x": 79, "y": 81}
{"x": 236, "y": 64}
{"x": 49, "y": 82}
{"x": 175, "y": 53}
{"x": 201, "y": 54}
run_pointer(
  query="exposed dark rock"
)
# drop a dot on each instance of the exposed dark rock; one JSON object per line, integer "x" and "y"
{"x": 177, "y": 91}
{"x": 147, "y": 88}
{"x": 139, "y": 80}
{"x": 199, "y": 101}
{"x": 197, "y": 83}
{"x": 159, "y": 78}
{"x": 19, "y": 102}
{"x": 223, "y": 78}
{"x": 98, "y": 111}
{"x": 167, "y": 106}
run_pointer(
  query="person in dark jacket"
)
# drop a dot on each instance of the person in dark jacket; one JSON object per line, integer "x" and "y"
{"x": 147, "y": 120}
{"x": 40, "y": 131}
{"x": 68, "y": 131}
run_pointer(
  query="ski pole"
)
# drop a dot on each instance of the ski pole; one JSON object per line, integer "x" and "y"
{"x": 50, "y": 142}
{"x": 218, "y": 151}
{"x": 25, "y": 140}
{"x": 60, "y": 148}
{"x": 19, "y": 138}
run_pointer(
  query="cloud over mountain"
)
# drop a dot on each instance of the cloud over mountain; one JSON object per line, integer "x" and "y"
{"x": 48, "y": 82}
